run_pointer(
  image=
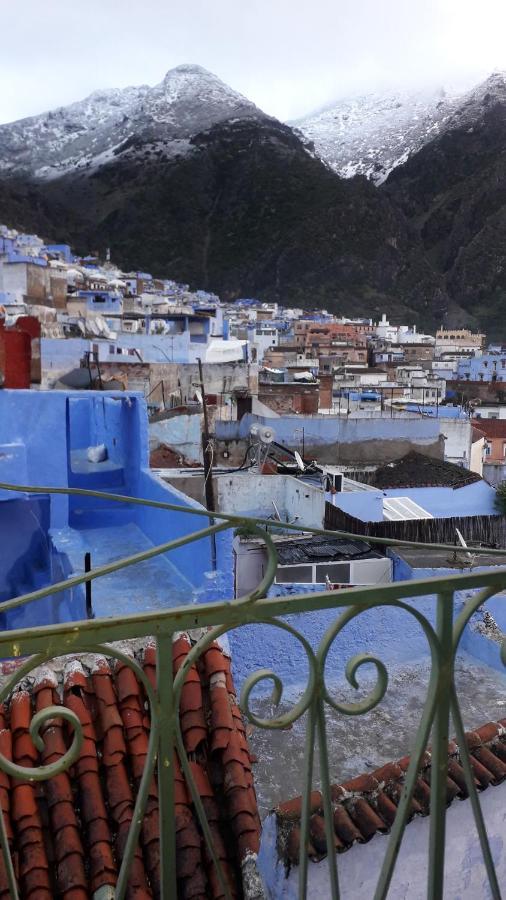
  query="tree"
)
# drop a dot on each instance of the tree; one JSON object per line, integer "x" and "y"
{"x": 500, "y": 498}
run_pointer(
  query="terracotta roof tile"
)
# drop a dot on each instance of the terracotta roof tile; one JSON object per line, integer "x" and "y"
{"x": 34, "y": 874}
{"x": 367, "y": 805}
{"x": 491, "y": 428}
{"x": 68, "y": 833}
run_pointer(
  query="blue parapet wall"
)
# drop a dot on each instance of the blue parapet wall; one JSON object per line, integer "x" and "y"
{"x": 44, "y": 439}
{"x": 477, "y": 499}
{"x": 320, "y": 431}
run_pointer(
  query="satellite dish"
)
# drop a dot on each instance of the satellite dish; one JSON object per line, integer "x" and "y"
{"x": 465, "y": 557}
{"x": 298, "y": 460}
{"x": 265, "y": 435}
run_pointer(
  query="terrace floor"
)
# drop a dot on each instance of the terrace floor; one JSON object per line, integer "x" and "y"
{"x": 149, "y": 585}
{"x": 359, "y": 744}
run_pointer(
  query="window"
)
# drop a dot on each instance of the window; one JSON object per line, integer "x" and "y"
{"x": 488, "y": 448}
{"x": 337, "y": 573}
{"x": 398, "y": 509}
{"x": 297, "y": 574}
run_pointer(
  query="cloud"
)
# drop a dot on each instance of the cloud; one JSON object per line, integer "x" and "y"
{"x": 289, "y": 56}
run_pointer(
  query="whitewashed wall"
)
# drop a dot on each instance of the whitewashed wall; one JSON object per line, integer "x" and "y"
{"x": 359, "y": 867}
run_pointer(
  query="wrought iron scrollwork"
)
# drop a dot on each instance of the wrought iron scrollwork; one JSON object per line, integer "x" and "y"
{"x": 316, "y": 694}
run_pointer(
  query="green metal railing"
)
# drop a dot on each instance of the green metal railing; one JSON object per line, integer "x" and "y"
{"x": 40, "y": 645}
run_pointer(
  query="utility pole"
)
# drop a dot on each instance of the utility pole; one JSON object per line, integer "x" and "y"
{"x": 206, "y": 447}
{"x": 207, "y": 454}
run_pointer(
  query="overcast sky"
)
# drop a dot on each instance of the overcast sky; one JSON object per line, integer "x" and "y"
{"x": 288, "y": 56}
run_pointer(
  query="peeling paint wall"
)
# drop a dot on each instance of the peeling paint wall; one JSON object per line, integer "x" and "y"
{"x": 337, "y": 439}
{"x": 182, "y": 433}
{"x": 255, "y": 495}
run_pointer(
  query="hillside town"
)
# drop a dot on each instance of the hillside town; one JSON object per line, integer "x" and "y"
{"x": 357, "y": 446}
{"x": 253, "y": 451}
{"x": 355, "y": 394}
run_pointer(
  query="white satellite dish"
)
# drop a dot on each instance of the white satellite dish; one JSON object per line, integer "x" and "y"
{"x": 265, "y": 435}
{"x": 298, "y": 460}
{"x": 467, "y": 558}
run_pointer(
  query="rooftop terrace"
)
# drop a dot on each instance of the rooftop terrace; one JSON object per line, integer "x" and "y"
{"x": 115, "y": 699}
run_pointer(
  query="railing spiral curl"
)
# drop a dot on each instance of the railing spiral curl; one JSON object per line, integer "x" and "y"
{"x": 216, "y": 619}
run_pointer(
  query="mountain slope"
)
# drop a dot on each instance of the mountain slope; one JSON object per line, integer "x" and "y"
{"x": 248, "y": 211}
{"x": 454, "y": 193}
{"x": 88, "y": 133}
{"x": 372, "y": 134}
{"x": 191, "y": 181}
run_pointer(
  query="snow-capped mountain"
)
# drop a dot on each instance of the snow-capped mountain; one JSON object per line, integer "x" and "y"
{"x": 373, "y": 134}
{"x": 188, "y": 101}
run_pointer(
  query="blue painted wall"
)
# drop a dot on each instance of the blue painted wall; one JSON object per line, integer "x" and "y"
{"x": 441, "y": 412}
{"x": 62, "y": 250}
{"x": 488, "y": 367}
{"x": 476, "y": 499}
{"x": 43, "y": 442}
{"x": 102, "y": 301}
{"x": 321, "y": 430}
{"x": 392, "y": 635}
{"x": 29, "y": 561}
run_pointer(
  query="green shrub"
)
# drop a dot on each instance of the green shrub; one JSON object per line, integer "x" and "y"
{"x": 500, "y": 499}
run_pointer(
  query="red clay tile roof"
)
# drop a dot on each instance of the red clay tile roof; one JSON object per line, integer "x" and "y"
{"x": 67, "y": 834}
{"x": 491, "y": 428}
{"x": 366, "y": 806}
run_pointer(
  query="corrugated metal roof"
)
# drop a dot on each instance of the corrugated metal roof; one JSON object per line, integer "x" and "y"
{"x": 321, "y": 548}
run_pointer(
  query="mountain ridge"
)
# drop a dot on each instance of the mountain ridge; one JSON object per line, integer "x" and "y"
{"x": 187, "y": 100}
{"x": 372, "y": 134}
{"x": 192, "y": 181}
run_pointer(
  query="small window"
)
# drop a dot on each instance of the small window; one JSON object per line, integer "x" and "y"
{"x": 294, "y": 574}
{"x": 337, "y": 573}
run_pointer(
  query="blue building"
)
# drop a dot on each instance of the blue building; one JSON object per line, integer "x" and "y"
{"x": 47, "y": 439}
{"x": 61, "y": 251}
{"x": 102, "y": 301}
{"x": 488, "y": 367}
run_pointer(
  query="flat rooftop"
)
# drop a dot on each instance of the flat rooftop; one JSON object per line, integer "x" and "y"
{"x": 358, "y": 744}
